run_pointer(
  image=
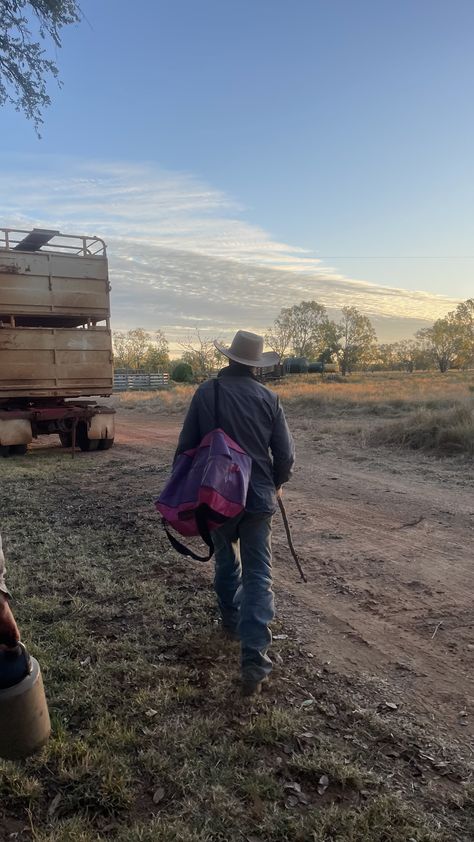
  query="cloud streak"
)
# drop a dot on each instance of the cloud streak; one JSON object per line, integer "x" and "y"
{"x": 182, "y": 255}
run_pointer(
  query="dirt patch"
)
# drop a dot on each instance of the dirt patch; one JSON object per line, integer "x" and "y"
{"x": 386, "y": 539}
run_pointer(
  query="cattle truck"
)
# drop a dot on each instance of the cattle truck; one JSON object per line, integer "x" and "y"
{"x": 55, "y": 340}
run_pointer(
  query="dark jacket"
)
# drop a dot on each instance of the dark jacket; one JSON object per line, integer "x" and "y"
{"x": 251, "y": 415}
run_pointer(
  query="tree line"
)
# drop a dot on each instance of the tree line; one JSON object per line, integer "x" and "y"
{"x": 306, "y": 331}
{"x": 139, "y": 349}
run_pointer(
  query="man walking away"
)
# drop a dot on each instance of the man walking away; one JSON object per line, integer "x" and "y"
{"x": 252, "y": 416}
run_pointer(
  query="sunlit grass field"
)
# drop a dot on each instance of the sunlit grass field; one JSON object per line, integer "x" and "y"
{"x": 370, "y": 392}
{"x": 429, "y": 411}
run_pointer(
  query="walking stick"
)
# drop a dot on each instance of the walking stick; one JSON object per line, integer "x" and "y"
{"x": 290, "y": 540}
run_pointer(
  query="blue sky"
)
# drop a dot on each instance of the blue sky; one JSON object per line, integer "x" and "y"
{"x": 231, "y": 138}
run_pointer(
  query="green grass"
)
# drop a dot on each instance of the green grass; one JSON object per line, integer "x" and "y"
{"x": 151, "y": 740}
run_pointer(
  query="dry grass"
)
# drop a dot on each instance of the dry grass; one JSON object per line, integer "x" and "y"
{"x": 377, "y": 393}
{"x": 448, "y": 431}
{"x": 433, "y": 411}
{"x": 172, "y": 401}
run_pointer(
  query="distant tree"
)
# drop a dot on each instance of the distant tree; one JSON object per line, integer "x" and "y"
{"x": 201, "y": 354}
{"x": 451, "y": 340}
{"x": 24, "y": 66}
{"x": 304, "y": 328}
{"x": 330, "y": 335}
{"x": 136, "y": 349}
{"x": 406, "y": 355}
{"x": 442, "y": 340}
{"x": 386, "y": 358}
{"x": 279, "y": 337}
{"x": 464, "y": 319}
{"x": 357, "y": 340}
{"x": 308, "y": 322}
{"x": 182, "y": 373}
{"x": 157, "y": 353}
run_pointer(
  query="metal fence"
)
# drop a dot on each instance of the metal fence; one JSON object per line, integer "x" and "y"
{"x": 140, "y": 380}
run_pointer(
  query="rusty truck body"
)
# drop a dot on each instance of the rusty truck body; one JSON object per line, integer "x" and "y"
{"x": 55, "y": 340}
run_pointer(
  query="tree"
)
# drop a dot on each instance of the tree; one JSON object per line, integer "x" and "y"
{"x": 201, "y": 354}
{"x": 308, "y": 320}
{"x": 443, "y": 341}
{"x": 279, "y": 336}
{"x": 357, "y": 340}
{"x": 134, "y": 349}
{"x": 451, "y": 340}
{"x": 406, "y": 355}
{"x": 330, "y": 336}
{"x": 24, "y": 66}
{"x": 182, "y": 373}
{"x": 464, "y": 318}
{"x": 157, "y": 353}
{"x": 305, "y": 328}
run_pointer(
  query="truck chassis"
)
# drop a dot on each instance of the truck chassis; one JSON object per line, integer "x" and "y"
{"x": 84, "y": 425}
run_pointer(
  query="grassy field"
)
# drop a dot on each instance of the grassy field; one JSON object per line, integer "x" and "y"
{"x": 433, "y": 411}
{"x": 151, "y": 741}
{"x": 392, "y": 390}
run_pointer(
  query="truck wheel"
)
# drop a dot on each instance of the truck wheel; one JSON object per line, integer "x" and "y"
{"x": 83, "y": 441}
{"x": 19, "y": 449}
{"x": 4, "y": 450}
{"x": 88, "y": 445}
{"x": 105, "y": 444}
{"x": 66, "y": 439}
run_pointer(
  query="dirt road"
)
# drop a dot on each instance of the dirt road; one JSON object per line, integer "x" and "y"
{"x": 387, "y": 542}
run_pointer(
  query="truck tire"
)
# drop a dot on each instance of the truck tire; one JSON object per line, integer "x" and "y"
{"x": 4, "y": 450}
{"x": 83, "y": 441}
{"x": 66, "y": 439}
{"x": 105, "y": 444}
{"x": 19, "y": 449}
{"x": 88, "y": 445}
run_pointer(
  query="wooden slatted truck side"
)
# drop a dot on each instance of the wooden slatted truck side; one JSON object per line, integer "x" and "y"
{"x": 55, "y": 340}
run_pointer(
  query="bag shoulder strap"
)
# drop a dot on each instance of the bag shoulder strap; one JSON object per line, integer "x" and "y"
{"x": 183, "y": 549}
{"x": 216, "y": 403}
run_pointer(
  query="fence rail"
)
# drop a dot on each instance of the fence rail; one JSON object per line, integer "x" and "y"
{"x": 140, "y": 380}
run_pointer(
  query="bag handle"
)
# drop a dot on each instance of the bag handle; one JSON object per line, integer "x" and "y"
{"x": 183, "y": 550}
{"x": 201, "y": 521}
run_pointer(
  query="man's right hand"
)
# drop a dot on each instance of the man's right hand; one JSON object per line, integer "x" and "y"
{"x": 9, "y": 634}
{"x": 279, "y": 492}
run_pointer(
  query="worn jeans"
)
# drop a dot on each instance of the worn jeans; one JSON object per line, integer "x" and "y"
{"x": 243, "y": 584}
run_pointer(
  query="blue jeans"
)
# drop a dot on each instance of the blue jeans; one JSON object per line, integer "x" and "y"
{"x": 243, "y": 584}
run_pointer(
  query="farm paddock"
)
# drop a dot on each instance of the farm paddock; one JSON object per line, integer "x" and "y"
{"x": 365, "y": 733}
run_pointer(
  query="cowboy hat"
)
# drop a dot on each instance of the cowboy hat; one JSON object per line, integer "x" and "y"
{"x": 247, "y": 349}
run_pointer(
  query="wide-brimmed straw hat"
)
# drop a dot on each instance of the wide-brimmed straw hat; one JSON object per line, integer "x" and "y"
{"x": 247, "y": 348}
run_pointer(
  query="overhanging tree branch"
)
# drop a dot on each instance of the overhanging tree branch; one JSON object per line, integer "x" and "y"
{"x": 24, "y": 65}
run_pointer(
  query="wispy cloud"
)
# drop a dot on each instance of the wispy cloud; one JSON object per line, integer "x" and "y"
{"x": 182, "y": 254}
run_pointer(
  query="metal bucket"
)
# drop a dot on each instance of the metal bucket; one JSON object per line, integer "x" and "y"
{"x": 24, "y": 716}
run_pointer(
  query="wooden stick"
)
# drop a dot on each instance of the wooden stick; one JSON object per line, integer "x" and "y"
{"x": 436, "y": 630}
{"x": 290, "y": 540}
